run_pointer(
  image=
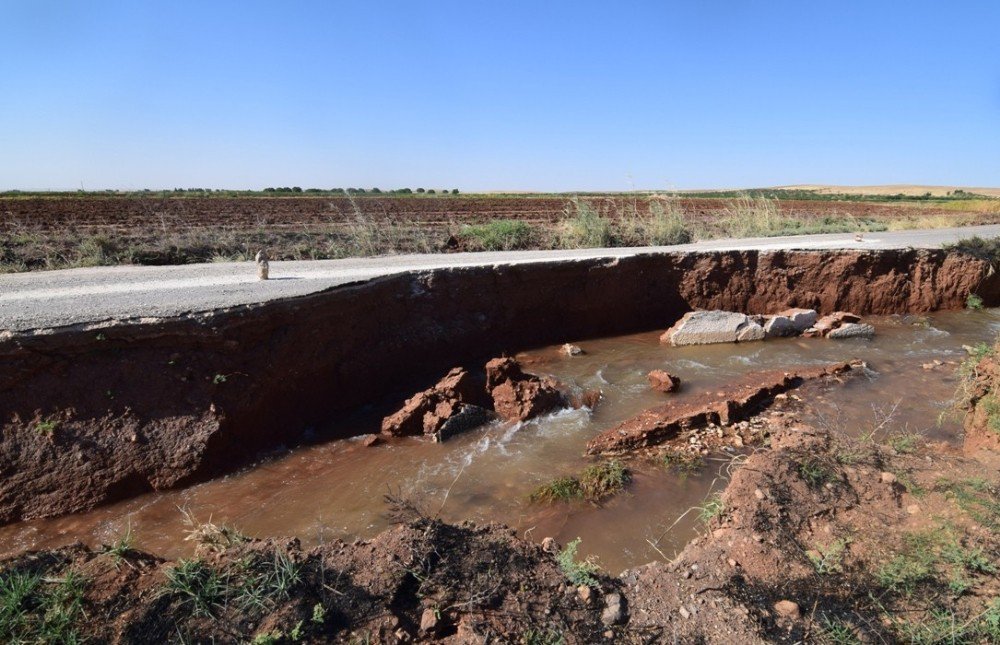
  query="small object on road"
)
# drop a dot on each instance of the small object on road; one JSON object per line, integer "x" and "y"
{"x": 262, "y": 264}
{"x": 859, "y": 237}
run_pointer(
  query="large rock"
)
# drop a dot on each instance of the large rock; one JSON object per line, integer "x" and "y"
{"x": 790, "y": 322}
{"x": 707, "y": 327}
{"x": 454, "y": 404}
{"x": 518, "y": 396}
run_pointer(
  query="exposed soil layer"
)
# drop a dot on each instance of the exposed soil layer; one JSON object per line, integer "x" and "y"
{"x": 96, "y": 414}
{"x": 982, "y": 421}
{"x": 815, "y": 539}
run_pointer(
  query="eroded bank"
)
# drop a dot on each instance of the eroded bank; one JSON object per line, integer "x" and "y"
{"x": 96, "y": 414}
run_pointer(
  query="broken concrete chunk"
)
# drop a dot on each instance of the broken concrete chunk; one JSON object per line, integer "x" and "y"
{"x": 852, "y": 330}
{"x": 750, "y": 331}
{"x": 571, "y": 350}
{"x": 707, "y": 327}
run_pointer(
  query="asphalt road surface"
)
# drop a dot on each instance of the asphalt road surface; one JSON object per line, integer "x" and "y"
{"x": 48, "y": 299}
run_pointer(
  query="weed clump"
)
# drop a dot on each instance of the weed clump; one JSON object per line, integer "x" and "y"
{"x": 596, "y": 483}
{"x": 584, "y": 226}
{"x": 580, "y": 572}
{"x": 499, "y": 235}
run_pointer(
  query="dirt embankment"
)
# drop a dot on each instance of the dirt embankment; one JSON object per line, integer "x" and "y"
{"x": 788, "y": 554}
{"x": 93, "y": 415}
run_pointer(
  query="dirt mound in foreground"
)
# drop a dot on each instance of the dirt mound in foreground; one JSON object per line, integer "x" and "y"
{"x": 817, "y": 539}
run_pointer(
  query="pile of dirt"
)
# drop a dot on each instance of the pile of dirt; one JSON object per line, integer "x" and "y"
{"x": 420, "y": 581}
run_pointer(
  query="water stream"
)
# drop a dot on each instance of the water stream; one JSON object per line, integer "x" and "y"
{"x": 335, "y": 489}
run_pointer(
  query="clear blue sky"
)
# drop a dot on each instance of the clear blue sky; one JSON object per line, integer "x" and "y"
{"x": 500, "y": 95}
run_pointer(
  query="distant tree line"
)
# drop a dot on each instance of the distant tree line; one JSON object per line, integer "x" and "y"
{"x": 360, "y": 191}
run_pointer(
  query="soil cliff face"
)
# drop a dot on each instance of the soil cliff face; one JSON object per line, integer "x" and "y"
{"x": 95, "y": 414}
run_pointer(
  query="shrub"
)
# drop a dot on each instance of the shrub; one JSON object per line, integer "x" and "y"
{"x": 499, "y": 235}
{"x": 579, "y": 573}
{"x": 973, "y": 301}
{"x": 752, "y": 216}
{"x": 584, "y": 226}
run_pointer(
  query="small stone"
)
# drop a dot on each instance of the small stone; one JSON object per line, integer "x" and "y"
{"x": 913, "y": 509}
{"x": 758, "y": 493}
{"x": 609, "y": 634}
{"x": 612, "y": 613}
{"x": 787, "y": 609}
{"x": 550, "y": 545}
{"x": 733, "y": 563}
{"x": 685, "y": 614}
{"x": 371, "y": 440}
{"x": 570, "y": 350}
{"x": 585, "y": 593}
{"x": 663, "y": 381}
{"x": 887, "y": 478}
{"x": 428, "y": 620}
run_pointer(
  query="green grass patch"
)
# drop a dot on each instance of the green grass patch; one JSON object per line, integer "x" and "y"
{"x": 37, "y": 610}
{"x": 973, "y": 301}
{"x": 815, "y": 472}
{"x": 829, "y": 559}
{"x": 979, "y": 498}
{"x": 711, "y": 509}
{"x": 684, "y": 463}
{"x": 499, "y": 235}
{"x": 197, "y": 585}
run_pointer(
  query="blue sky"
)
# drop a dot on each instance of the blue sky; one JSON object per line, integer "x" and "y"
{"x": 499, "y": 95}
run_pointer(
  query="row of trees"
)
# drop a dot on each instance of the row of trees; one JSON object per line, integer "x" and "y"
{"x": 359, "y": 191}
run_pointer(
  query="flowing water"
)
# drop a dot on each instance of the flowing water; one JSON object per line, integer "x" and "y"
{"x": 336, "y": 489}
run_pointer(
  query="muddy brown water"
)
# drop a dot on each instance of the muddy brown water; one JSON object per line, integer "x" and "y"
{"x": 335, "y": 490}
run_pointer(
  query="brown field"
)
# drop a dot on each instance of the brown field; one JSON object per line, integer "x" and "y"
{"x": 48, "y": 232}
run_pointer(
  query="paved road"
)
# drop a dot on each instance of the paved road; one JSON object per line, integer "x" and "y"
{"x": 81, "y": 296}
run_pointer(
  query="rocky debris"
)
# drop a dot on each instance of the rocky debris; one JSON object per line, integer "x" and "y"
{"x": 663, "y": 381}
{"x": 370, "y": 440}
{"x": 571, "y": 350}
{"x": 454, "y": 404}
{"x": 460, "y": 402}
{"x": 613, "y": 612}
{"x": 732, "y": 403}
{"x": 790, "y": 322}
{"x": 707, "y": 327}
{"x": 840, "y": 324}
{"x": 851, "y": 330}
{"x": 518, "y": 396}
